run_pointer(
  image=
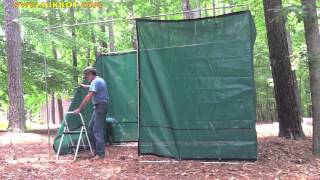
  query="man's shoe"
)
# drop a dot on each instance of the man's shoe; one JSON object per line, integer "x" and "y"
{"x": 97, "y": 157}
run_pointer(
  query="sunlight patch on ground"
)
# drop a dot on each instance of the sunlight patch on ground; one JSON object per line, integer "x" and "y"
{"x": 30, "y": 125}
{"x": 40, "y": 158}
{"x": 264, "y": 130}
{"x": 16, "y": 138}
{"x": 108, "y": 172}
{"x": 27, "y": 160}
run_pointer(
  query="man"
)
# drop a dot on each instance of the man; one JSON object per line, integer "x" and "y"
{"x": 99, "y": 95}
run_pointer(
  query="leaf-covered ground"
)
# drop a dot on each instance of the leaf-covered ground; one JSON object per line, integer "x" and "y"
{"x": 25, "y": 156}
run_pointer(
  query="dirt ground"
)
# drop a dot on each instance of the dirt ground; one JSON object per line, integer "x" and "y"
{"x": 25, "y": 156}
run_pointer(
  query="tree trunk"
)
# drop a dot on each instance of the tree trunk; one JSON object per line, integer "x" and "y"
{"x": 312, "y": 37}
{"x": 75, "y": 63}
{"x": 134, "y": 40}
{"x": 223, "y": 7}
{"x": 231, "y": 6}
{"x": 294, "y": 75}
{"x": 74, "y": 49}
{"x": 206, "y": 11}
{"x": 54, "y": 51}
{"x": 103, "y": 43}
{"x": 60, "y": 108}
{"x": 93, "y": 35}
{"x": 16, "y": 116}
{"x": 29, "y": 116}
{"x": 94, "y": 41}
{"x": 213, "y": 8}
{"x": 156, "y": 4}
{"x": 52, "y": 19}
{"x": 88, "y": 57}
{"x": 53, "y": 109}
{"x": 111, "y": 37}
{"x": 197, "y": 13}
{"x": 187, "y": 14}
{"x": 284, "y": 84}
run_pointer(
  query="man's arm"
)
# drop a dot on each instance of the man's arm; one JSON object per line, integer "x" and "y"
{"x": 86, "y": 99}
{"x": 84, "y": 86}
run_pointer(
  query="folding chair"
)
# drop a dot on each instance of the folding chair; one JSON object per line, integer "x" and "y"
{"x": 68, "y": 132}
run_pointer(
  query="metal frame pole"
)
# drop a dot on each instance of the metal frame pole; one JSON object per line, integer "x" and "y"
{"x": 87, "y": 46}
{"x": 138, "y": 94}
{"x": 133, "y": 18}
{"x": 46, "y": 89}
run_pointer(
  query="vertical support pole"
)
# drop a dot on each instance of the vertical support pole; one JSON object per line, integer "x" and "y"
{"x": 138, "y": 87}
{"x": 46, "y": 88}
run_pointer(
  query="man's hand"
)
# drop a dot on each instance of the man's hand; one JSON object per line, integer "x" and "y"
{"x": 86, "y": 99}
{"x": 77, "y": 111}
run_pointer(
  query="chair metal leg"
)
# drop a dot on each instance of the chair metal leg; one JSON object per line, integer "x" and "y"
{"x": 88, "y": 139}
{"x": 60, "y": 144}
{"x": 79, "y": 140}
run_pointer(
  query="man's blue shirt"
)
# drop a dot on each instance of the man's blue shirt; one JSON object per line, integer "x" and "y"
{"x": 100, "y": 89}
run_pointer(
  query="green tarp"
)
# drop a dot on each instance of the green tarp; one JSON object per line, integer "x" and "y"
{"x": 119, "y": 71}
{"x": 197, "y": 94}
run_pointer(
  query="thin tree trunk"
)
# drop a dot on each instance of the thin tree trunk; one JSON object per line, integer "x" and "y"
{"x": 75, "y": 65}
{"x": 312, "y": 37}
{"x": 54, "y": 51}
{"x": 157, "y": 7}
{"x": 52, "y": 19}
{"x": 94, "y": 41}
{"x": 30, "y": 117}
{"x": 223, "y": 7}
{"x": 197, "y": 13}
{"x": 111, "y": 36}
{"x": 60, "y": 108}
{"x": 103, "y": 43}
{"x": 16, "y": 116}
{"x": 231, "y": 6}
{"x": 88, "y": 57}
{"x": 213, "y": 8}
{"x": 206, "y": 11}
{"x": 134, "y": 40}
{"x": 53, "y": 109}
{"x": 74, "y": 49}
{"x": 187, "y": 14}
{"x": 93, "y": 35}
{"x": 284, "y": 84}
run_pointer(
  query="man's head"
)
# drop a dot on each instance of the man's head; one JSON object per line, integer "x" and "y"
{"x": 89, "y": 73}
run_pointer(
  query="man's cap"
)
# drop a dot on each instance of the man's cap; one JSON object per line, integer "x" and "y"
{"x": 89, "y": 69}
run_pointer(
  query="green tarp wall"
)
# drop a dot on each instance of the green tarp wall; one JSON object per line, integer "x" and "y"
{"x": 119, "y": 71}
{"x": 197, "y": 94}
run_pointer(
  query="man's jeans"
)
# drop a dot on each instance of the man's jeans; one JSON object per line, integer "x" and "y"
{"x": 97, "y": 129}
